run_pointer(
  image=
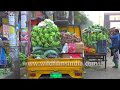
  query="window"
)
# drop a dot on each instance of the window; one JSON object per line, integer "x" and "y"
{"x": 115, "y": 24}
{"x": 114, "y": 17}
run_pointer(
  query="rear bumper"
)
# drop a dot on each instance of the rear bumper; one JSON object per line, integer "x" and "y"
{"x": 65, "y": 76}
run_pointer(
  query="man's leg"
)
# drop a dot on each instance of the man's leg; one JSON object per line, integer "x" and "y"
{"x": 116, "y": 63}
{"x": 116, "y": 59}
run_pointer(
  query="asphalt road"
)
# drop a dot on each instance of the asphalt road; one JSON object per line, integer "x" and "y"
{"x": 98, "y": 72}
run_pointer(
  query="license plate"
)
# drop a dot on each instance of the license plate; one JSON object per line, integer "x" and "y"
{"x": 55, "y": 75}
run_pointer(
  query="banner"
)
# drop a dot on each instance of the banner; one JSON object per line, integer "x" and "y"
{"x": 5, "y": 21}
{"x": 6, "y": 29}
{"x": 11, "y": 18}
{"x": 12, "y": 36}
{"x": 37, "y": 14}
{"x": 24, "y": 34}
{"x": 23, "y": 21}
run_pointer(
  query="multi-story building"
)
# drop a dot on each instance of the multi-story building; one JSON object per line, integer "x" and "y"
{"x": 112, "y": 19}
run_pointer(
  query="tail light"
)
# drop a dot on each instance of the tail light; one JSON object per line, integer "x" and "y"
{"x": 77, "y": 73}
{"x": 33, "y": 74}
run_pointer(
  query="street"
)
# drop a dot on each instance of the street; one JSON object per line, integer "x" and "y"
{"x": 98, "y": 72}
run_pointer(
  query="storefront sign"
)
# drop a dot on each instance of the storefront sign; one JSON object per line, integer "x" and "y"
{"x": 6, "y": 29}
{"x": 12, "y": 36}
{"x": 24, "y": 35}
{"x": 23, "y": 21}
{"x": 23, "y": 12}
{"x": 11, "y": 19}
{"x": 5, "y": 21}
{"x": 37, "y": 14}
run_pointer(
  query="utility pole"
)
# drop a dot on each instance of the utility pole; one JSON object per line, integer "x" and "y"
{"x": 25, "y": 30}
{"x": 14, "y": 51}
{"x": 29, "y": 31}
{"x": 73, "y": 17}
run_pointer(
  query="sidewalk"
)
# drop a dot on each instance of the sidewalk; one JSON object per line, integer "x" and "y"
{"x": 98, "y": 72}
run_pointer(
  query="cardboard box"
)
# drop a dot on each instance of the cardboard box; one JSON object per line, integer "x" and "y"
{"x": 76, "y": 47}
{"x": 79, "y": 47}
{"x": 66, "y": 55}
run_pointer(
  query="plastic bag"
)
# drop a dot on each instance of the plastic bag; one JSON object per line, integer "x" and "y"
{"x": 65, "y": 48}
{"x": 71, "y": 48}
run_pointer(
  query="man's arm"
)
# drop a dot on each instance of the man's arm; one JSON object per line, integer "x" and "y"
{"x": 114, "y": 36}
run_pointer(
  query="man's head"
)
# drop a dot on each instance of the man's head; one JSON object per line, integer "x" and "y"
{"x": 116, "y": 31}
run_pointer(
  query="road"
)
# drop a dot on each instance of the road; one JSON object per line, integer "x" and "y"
{"x": 98, "y": 72}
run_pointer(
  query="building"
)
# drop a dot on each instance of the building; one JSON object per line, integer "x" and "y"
{"x": 108, "y": 19}
{"x": 112, "y": 19}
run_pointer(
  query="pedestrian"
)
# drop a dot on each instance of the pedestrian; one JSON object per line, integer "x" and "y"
{"x": 115, "y": 47}
{"x": 3, "y": 58}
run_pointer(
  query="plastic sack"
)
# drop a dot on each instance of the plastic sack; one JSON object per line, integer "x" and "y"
{"x": 3, "y": 58}
{"x": 65, "y": 48}
{"x": 71, "y": 48}
{"x": 75, "y": 55}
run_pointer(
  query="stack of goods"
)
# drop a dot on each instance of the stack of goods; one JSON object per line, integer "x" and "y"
{"x": 46, "y": 37}
{"x": 39, "y": 52}
{"x": 73, "y": 45}
{"x": 47, "y": 41}
{"x": 90, "y": 50}
{"x": 94, "y": 37}
{"x": 68, "y": 37}
{"x": 22, "y": 58}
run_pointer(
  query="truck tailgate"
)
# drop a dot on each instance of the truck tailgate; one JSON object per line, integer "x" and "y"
{"x": 63, "y": 65}
{"x": 51, "y": 63}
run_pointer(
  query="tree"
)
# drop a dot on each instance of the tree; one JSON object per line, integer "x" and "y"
{"x": 60, "y": 15}
{"x": 81, "y": 19}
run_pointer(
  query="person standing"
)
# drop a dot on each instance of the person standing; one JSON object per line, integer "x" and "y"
{"x": 115, "y": 47}
{"x": 3, "y": 57}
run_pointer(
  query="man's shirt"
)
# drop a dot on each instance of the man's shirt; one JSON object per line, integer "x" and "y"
{"x": 115, "y": 40}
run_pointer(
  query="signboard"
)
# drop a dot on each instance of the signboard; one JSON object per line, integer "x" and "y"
{"x": 5, "y": 21}
{"x": 24, "y": 34}
{"x": 6, "y": 29}
{"x": 37, "y": 14}
{"x": 23, "y": 12}
{"x": 11, "y": 19}
{"x": 23, "y": 21}
{"x": 12, "y": 36}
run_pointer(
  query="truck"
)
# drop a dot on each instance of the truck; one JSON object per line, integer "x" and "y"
{"x": 62, "y": 67}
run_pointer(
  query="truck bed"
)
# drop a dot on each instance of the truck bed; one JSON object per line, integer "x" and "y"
{"x": 63, "y": 65}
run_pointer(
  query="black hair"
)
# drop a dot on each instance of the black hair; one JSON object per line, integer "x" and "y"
{"x": 116, "y": 30}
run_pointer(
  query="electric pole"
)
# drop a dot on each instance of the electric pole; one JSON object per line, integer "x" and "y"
{"x": 73, "y": 17}
{"x": 25, "y": 30}
{"x": 14, "y": 49}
